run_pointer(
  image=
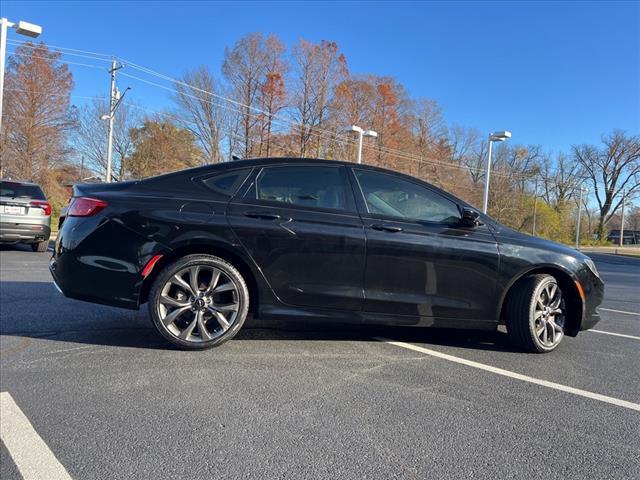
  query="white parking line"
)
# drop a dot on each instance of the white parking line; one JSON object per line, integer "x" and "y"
{"x": 618, "y": 311}
{"x": 633, "y": 337}
{"x": 29, "y": 452}
{"x": 517, "y": 376}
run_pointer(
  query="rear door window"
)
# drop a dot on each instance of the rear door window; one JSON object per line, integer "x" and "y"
{"x": 303, "y": 186}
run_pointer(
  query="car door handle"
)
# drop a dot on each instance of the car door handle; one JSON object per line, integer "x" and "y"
{"x": 262, "y": 215}
{"x": 386, "y": 228}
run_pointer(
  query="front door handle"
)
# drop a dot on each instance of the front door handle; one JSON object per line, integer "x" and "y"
{"x": 386, "y": 228}
{"x": 262, "y": 215}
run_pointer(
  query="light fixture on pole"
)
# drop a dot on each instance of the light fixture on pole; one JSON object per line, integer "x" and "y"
{"x": 493, "y": 137}
{"x": 23, "y": 28}
{"x": 361, "y": 133}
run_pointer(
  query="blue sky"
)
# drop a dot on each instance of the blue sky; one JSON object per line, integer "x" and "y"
{"x": 555, "y": 74}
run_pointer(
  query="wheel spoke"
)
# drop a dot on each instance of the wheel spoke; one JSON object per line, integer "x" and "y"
{"x": 215, "y": 277}
{"x": 229, "y": 307}
{"x": 178, "y": 280}
{"x": 194, "y": 272}
{"x": 226, "y": 287}
{"x": 202, "y": 328}
{"x": 220, "y": 319}
{"x": 167, "y": 300}
{"x": 173, "y": 316}
{"x": 184, "y": 334}
{"x": 552, "y": 292}
{"x": 538, "y": 314}
{"x": 545, "y": 334}
{"x": 540, "y": 330}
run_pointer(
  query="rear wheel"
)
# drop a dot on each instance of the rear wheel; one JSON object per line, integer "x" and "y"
{"x": 40, "y": 246}
{"x": 198, "y": 302}
{"x": 535, "y": 314}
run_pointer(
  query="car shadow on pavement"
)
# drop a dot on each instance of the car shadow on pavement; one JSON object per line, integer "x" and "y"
{"x": 66, "y": 320}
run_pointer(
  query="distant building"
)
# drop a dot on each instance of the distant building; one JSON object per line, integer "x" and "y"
{"x": 631, "y": 237}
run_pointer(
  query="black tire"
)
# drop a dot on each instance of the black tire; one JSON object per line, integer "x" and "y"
{"x": 520, "y": 313}
{"x": 204, "y": 261}
{"x": 40, "y": 246}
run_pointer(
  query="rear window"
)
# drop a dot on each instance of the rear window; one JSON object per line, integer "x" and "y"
{"x": 16, "y": 190}
{"x": 226, "y": 184}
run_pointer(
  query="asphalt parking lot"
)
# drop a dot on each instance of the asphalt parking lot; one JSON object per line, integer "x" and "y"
{"x": 105, "y": 397}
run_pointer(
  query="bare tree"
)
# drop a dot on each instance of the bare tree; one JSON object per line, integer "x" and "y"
{"x": 611, "y": 169}
{"x": 561, "y": 179}
{"x": 90, "y": 136}
{"x": 199, "y": 110}
{"x": 317, "y": 69}
{"x": 244, "y": 67}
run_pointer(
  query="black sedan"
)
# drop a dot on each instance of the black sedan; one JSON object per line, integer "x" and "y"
{"x": 306, "y": 238}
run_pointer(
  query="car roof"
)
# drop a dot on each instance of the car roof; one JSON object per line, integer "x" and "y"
{"x": 18, "y": 182}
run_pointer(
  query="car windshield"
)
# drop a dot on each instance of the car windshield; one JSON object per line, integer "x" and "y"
{"x": 15, "y": 190}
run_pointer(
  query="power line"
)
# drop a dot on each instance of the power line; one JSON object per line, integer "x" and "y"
{"x": 57, "y": 60}
{"x": 64, "y": 50}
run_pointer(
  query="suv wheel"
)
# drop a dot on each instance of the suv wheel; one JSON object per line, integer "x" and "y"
{"x": 40, "y": 246}
{"x": 198, "y": 302}
{"x": 535, "y": 314}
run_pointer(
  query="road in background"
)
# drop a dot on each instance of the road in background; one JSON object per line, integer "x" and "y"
{"x": 111, "y": 400}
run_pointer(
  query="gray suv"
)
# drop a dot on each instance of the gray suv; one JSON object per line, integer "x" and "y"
{"x": 25, "y": 215}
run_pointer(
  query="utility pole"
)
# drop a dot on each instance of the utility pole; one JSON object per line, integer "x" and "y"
{"x": 112, "y": 95}
{"x": 624, "y": 196}
{"x": 535, "y": 208}
{"x": 114, "y": 101}
{"x": 578, "y": 219}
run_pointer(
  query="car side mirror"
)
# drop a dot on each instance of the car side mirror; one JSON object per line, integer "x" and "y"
{"x": 470, "y": 218}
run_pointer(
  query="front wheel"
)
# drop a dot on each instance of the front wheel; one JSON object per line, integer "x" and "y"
{"x": 535, "y": 314}
{"x": 198, "y": 302}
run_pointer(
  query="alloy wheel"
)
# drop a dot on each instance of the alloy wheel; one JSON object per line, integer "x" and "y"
{"x": 199, "y": 303}
{"x": 549, "y": 315}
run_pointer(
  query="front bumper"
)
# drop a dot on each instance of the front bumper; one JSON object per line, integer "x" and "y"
{"x": 24, "y": 232}
{"x": 594, "y": 294}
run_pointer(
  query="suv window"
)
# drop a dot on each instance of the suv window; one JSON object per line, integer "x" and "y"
{"x": 393, "y": 196}
{"x": 15, "y": 190}
{"x": 312, "y": 186}
{"x": 226, "y": 184}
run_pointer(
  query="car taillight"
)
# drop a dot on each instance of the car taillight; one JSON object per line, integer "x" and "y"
{"x": 85, "y": 206}
{"x": 46, "y": 206}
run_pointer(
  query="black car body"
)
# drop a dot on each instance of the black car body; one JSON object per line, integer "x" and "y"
{"x": 343, "y": 254}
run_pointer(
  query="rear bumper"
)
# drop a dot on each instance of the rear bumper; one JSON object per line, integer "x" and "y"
{"x": 100, "y": 261}
{"x": 24, "y": 232}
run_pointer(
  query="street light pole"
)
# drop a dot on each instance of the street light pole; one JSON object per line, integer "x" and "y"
{"x": 578, "y": 219}
{"x": 23, "y": 28}
{"x": 622, "y": 219}
{"x": 361, "y": 134}
{"x": 493, "y": 137}
{"x": 535, "y": 208}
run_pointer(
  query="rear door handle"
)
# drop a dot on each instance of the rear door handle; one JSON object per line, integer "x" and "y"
{"x": 262, "y": 215}
{"x": 386, "y": 228}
